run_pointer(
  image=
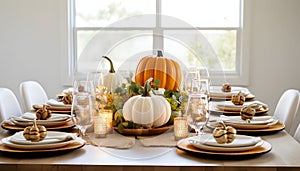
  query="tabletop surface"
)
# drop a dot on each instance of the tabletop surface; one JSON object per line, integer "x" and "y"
{"x": 285, "y": 153}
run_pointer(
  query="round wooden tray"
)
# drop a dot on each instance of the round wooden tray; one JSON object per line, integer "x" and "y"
{"x": 144, "y": 131}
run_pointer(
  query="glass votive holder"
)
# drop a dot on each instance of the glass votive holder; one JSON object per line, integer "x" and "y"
{"x": 180, "y": 128}
{"x": 100, "y": 127}
{"x": 107, "y": 115}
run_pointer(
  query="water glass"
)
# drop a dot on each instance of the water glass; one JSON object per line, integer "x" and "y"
{"x": 197, "y": 112}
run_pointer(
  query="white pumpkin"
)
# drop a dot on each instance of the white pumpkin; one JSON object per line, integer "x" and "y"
{"x": 147, "y": 110}
{"x": 112, "y": 80}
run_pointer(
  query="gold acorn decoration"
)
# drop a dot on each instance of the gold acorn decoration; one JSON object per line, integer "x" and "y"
{"x": 35, "y": 133}
{"x": 224, "y": 134}
{"x": 67, "y": 98}
{"x": 238, "y": 99}
{"x": 248, "y": 112}
{"x": 43, "y": 113}
{"x": 226, "y": 87}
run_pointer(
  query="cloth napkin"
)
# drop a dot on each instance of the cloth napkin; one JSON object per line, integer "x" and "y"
{"x": 229, "y": 106}
{"x": 54, "y": 102}
{"x": 239, "y": 141}
{"x": 30, "y": 116}
{"x": 51, "y": 137}
{"x": 113, "y": 140}
{"x": 257, "y": 120}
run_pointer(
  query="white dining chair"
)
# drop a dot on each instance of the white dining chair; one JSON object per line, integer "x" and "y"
{"x": 287, "y": 107}
{"x": 297, "y": 134}
{"x": 9, "y": 104}
{"x": 32, "y": 93}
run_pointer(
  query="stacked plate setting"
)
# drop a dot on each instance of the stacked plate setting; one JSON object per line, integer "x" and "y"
{"x": 241, "y": 143}
{"x": 258, "y": 122}
{"x": 54, "y": 140}
{"x": 27, "y": 120}
{"x": 228, "y": 108}
{"x": 55, "y": 106}
{"x": 217, "y": 93}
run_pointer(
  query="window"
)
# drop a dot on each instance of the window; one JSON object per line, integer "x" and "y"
{"x": 208, "y": 33}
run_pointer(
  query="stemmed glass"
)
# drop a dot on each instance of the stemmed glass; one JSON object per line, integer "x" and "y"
{"x": 82, "y": 112}
{"x": 83, "y": 105}
{"x": 189, "y": 81}
{"x": 197, "y": 112}
{"x": 101, "y": 90}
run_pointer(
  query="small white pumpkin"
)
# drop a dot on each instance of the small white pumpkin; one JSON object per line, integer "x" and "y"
{"x": 112, "y": 80}
{"x": 147, "y": 110}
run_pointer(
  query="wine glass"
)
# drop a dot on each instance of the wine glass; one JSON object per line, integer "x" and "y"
{"x": 84, "y": 87}
{"x": 189, "y": 81}
{"x": 83, "y": 112}
{"x": 101, "y": 90}
{"x": 197, "y": 112}
{"x": 204, "y": 87}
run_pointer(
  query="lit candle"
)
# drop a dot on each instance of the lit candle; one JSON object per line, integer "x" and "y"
{"x": 180, "y": 128}
{"x": 100, "y": 126}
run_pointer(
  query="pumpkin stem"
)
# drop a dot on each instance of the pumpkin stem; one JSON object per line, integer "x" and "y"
{"x": 222, "y": 124}
{"x": 159, "y": 53}
{"x": 111, "y": 70}
{"x": 147, "y": 87}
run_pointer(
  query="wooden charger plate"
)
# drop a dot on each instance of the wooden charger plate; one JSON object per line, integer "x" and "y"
{"x": 142, "y": 131}
{"x": 10, "y": 127}
{"x": 72, "y": 146}
{"x": 279, "y": 126}
{"x": 186, "y": 146}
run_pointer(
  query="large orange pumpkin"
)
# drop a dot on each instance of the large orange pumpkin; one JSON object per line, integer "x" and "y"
{"x": 167, "y": 71}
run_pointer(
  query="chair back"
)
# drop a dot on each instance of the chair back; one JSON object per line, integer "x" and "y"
{"x": 297, "y": 134}
{"x": 32, "y": 93}
{"x": 287, "y": 107}
{"x": 9, "y": 104}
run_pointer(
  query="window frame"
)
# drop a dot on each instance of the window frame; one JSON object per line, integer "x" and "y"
{"x": 239, "y": 77}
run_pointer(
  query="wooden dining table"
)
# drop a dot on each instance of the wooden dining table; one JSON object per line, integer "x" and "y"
{"x": 284, "y": 155}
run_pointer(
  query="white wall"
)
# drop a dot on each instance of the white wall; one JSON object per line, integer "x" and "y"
{"x": 275, "y": 48}
{"x": 31, "y": 47}
{"x": 30, "y": 43}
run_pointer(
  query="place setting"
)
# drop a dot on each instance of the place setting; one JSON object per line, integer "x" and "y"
{"x": 230, "y": 108}
{"x": 44, "y": 116}
{"x": 224, "y": 141}
{"x": 225, "y": 92}
{"x": 63, "y": 105}
{"x": 37, "y": 139}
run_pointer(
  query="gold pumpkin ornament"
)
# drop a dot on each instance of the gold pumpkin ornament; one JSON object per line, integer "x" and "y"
{"x": 67, "y": 98}
{"x": 43, "y": 113}
{"x": 224, "y": 134}
{"x": 226, "y": 87}
{"x": 35, "y": 133}
{"x": 167, "y": 71}
{"x": 248, "y": 112}
{"x": 238, "y": 99}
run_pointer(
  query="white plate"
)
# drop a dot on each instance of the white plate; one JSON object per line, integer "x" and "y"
{"x": 54, "y": 102}
{"x": 241, "y": 143}
{"x": 30, "y": 116}
{"x": 51, "y": 138}
{"x": 234, "y": 90}
{"x": 7, "y": 142}
{"x": 257, "y": 120}
{"x": 39, "y": 122}
{"x": 229, "y": 106}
